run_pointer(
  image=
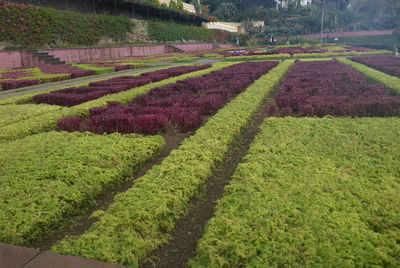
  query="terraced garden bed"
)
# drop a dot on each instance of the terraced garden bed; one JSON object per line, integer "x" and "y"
{"x": 311, "y": 192}
{"x": 315, "y": 88}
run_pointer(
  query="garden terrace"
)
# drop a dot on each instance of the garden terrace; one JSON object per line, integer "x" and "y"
{"x": 387, "y": 64}
{"x": 77, "y": 95}
{"x": 179, "y": 106}
{"x": 312, "y": 192}
{"x": 314, "y": 88}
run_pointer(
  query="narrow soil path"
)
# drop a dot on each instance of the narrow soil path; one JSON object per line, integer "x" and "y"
{"x": 82, "y": 223}
{"x": 190, "y": 228}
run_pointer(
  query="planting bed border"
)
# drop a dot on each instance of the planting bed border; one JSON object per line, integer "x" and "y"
{"x": 140, "y": 220}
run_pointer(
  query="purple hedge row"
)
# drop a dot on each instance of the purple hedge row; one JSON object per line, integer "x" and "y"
{"x": 77, "y": 95}
{"x": 11, "y": 84}
{"x": 180, "y": 106}
{"x": 386, "y": 64}
{"x": 319, "y": 89}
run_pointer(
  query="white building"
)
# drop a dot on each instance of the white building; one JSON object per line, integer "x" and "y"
{"x": 188, "y": 7}
{"x": 285, "y": 3}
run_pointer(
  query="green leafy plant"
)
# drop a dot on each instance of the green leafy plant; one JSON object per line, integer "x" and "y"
{"x": 49, "y": 177}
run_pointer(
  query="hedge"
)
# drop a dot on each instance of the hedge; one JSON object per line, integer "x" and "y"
{"x": 169, "y": 31}
{"x": 140, "y": 220}
{"x": 47, "y": 122}
{"x": 52, "y": 176}
{"x": 30, "y": 26}
{"x": 311, "y": 193}
{"x": 390, "y": 81}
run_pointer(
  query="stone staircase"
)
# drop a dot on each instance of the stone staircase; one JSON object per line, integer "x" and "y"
{"x": 174, "y": 49}
{"x": 46, "y": 58}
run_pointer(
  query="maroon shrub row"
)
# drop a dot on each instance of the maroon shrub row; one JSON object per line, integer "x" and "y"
{"x": 11, "y": 84}
{"x": 77, "y": 95}
{"x": 386, "y": 64}
{"x": 319, "y": 89}
{"x": 180, "y": 106}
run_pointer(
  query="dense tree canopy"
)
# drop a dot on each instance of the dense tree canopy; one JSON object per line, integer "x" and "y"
{"x": 341, "y": 15}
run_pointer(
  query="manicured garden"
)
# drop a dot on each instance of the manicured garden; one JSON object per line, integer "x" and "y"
{"x": 318, "y": 186}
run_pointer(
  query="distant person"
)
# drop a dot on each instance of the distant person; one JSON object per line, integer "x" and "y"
{"x": 274, "y": 42}
{"x": 288, "y": 41}
{"x": 271, "y": 40}
{"x": 396, "y": 51}
{"x": 298, "y": 39}
{"x": 238, "y": 41}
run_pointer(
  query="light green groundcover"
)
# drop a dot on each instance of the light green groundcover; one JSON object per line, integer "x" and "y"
{"x": 311, "y": 193}
{"x": 10, "y": 114}
{"x": 47, "y": 177}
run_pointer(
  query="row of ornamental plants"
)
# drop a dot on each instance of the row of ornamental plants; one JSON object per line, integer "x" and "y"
{"x": 76, "y": 95}
{"x": 311, "y": 192}
{"x": 141, "y": 218}
{"x": 48, "y": 121}
{"x": 386, "y": 64}
{"x": 179, "y": 106}
{"x": 23, "y": 77}
{"x": 315, "y": 88}
{"x": 48, "y": 178}
{"x": 372, "y": 74}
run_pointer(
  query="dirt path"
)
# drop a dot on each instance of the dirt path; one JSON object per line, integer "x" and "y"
{"x": 87, "y": 79}
{"x": 190, "y": 229}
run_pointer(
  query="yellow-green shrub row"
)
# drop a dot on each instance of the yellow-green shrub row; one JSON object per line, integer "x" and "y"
{"x": 378, "y": 76}
{"x": 312, "y": 192}
{"x": 10, "y": 114}
{"x": 46, "y": 178}
{"x": 141, "y": 219}
{"x": 47, "y": 122}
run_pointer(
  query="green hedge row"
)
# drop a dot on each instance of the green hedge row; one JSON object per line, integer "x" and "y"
{"x": 311, "y": 193}
{"x": 390, "y": 81}
{"x": 141, "y": 219}
{"x": 169, "y": 31}
{"x": 49, "y": 177}
{"x": 47, "y": 122}
{"x": 29, "y": 26}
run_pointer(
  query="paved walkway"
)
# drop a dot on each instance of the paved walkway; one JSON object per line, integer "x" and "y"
{"x": 20, "y": 257}
{"x": 87, "y": 79}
